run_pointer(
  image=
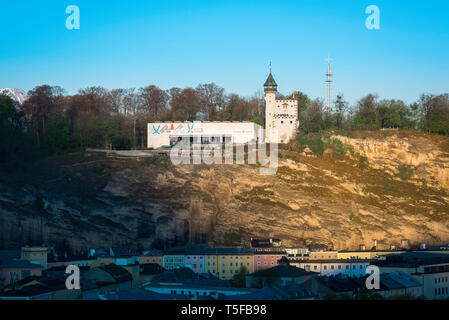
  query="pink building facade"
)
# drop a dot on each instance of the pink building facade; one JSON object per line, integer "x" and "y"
{"x": 158, "y": 259}
{"x": 265, "y": 260}
{"x": 11, "y": 273}
{"x": 195, "y": 262}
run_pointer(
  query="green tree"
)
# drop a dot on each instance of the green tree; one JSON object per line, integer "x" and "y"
{"x": 367, "y": 110}
{"x": 435, "y": 113}
{"x": 240, "y": 278}
{"x": 340, "y": 106}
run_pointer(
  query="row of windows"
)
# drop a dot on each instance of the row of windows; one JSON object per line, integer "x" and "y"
{"x": 441, "y": 291}
{"x": 190, "y": 292}
{"x": 265, "y": 263}
{"x": 152, "y": 260}
{"x": 236, "y": 264}
{"x": 231, "y": 271}
{"x": 440, "y": 279}
{"x": 315, "y": 267}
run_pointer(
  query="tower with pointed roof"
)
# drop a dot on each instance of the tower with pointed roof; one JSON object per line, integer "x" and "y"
{"x": 281, "y": 116}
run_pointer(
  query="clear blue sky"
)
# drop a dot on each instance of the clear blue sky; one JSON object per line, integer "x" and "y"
{"x": 184, "y": 43}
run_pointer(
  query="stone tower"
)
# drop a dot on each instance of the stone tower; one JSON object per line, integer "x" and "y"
{"x": 281, "y": 116}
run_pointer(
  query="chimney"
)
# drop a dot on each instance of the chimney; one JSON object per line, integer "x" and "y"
{"x": 404, "y": 244}
{"x": 362, "y": 247}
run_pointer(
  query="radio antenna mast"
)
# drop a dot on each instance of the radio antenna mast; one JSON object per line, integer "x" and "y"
{"x": 328, "y": 80}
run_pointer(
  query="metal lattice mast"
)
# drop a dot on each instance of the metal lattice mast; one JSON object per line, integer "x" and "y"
{"x": 328, "y": 80}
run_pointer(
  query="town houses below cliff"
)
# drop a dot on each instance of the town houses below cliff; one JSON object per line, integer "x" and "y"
{"x": 264, "y": 270}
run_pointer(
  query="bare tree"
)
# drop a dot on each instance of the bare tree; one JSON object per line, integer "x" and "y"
{"x": 211, "y": 97}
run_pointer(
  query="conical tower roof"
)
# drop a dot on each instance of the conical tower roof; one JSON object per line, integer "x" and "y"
{"x": 270, "y": 81}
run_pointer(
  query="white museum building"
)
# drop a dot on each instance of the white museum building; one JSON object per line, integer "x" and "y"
{"x": 281, "y": 118}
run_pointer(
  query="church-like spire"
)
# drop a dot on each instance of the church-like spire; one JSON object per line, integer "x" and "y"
{"x": 270, "y": 84}
{"x": 270, "y": 81}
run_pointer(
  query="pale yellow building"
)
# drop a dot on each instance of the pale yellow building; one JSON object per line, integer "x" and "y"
{"x": 365, "y": 254}
{"x": 225, "y": 263}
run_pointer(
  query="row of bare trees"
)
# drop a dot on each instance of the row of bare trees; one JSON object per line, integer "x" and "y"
{"x": 97, "y": 117}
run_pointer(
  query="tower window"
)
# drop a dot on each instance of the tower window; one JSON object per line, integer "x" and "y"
{"x": 291, "y": 121}
{"x": 282, "y": 121}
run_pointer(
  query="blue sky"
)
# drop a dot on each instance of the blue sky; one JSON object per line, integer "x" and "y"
{"x": 123, "y": 44}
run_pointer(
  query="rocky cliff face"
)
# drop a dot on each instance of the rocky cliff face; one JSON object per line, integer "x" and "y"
{"x": 385, "y": 188}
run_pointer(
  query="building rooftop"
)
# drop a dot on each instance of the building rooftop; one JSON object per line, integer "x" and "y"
{"x": 398, "y": 280}
{"x": 142, "y": 294}
{"x": 278, "y": 291}
{"x": 153, "y": 253}
{"x": 26, "y": 292}
{"x": 264, "y": 243}
{"x": 282, "y": 271}
{"x": 176, "y": 275}
{"x": 413, "y": 260}
{"x": 292, "y": 259}
{"x": 20, "y": 264}
{"x": 118, "y": 273}
{"x": 217, "y": 286}
{"x": 229, "y": 251}
{"x": 340, "y": 284}
{"x": 124, "y": 251}
{"x": 270, "y": 81}
{"x": 151, "y": 268}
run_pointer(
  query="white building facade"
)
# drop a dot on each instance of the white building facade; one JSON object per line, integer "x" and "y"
{"x": 350, "y": 268}
{"x": 281, "y": 116}
{"x": 166, "y": 134}
{"x": 433, "y": 276}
